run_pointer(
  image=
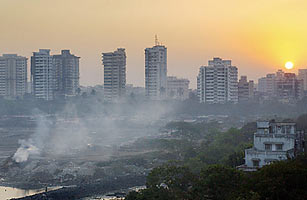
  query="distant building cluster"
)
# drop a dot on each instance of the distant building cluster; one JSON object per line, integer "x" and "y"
{"x": 281, "y": 86}
{"x": 58, "y": 76}
{"x": 54, "y": 75}
{"x": 158, "y": 86}
{"x": 218, "y": 83}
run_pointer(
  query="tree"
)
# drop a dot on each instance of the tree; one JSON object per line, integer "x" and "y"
{"x": 218, "y": 182}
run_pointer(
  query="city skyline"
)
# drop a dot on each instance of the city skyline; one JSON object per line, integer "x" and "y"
{"x": 259, "y": 39}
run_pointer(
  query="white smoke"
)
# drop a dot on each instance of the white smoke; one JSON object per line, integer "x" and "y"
{"x": 35, "y": 143}
{"x": 69, "y": 134}
{"x": 25, "y": 150}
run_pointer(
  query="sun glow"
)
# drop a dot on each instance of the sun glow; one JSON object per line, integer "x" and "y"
{"x": 289, "y": 65}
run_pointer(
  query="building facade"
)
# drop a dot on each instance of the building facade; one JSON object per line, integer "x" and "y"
{"x": 43, "y": 75}
{"x": 261, "y": 85}
{"x": 218, "y": 82}
{"x": 156, "y": 72}
{"x": 245, "y": 89}
{"x": 281, "y": 86}
{"x": 13, "y": 76}
{"x": 302, "y": 75}
{"x": 273, "y": 141}
{"x": 66, "y": 74}
{"x": 289, "y": 88}
{"x": 177, "y": 88}
{"x": 114, "y": 74}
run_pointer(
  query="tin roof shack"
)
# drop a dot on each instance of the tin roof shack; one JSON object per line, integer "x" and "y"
{"x": 273, "y": 141}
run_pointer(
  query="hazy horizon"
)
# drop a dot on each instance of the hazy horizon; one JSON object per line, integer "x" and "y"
{"x": 258, "y": 36}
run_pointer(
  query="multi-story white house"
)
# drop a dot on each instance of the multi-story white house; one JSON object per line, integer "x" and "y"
{"x": 43, "y": 75}
{"x": 13, "y": 76}
{"x": 114, "y": 74}
{"x": 273, "y": 141}
{"x": 156, "y": 72}
{"x": 218, "y": 82}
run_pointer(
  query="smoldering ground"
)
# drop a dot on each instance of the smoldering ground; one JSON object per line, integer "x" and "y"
{"x": 67, "y": 133}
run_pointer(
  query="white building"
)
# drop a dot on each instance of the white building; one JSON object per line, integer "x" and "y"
{"x": 177, "y": 88}
{"x": 273, "y": 141}
{"x": 43, "y": 74}
{"x": 218, "y": 82}
{"x": 302, "y": 75}
{"x": 114, "y": 74}
{"x": 156, "y": 72}
{"x": 13, "y": 76}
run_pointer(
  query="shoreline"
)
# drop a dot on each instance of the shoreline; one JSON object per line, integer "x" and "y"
{"x": 89, "y": 190}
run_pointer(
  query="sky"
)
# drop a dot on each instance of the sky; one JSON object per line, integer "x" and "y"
{"x": 259, "y": 36}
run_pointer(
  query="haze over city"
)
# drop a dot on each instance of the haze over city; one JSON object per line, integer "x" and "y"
{"x": 258, "y": 36}
{"x": 153, "y": 99}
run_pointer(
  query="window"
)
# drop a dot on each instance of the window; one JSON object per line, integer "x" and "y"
{"x": 279, "y": 147}
{"x": 268, "y": 147}
{"x": 256, "y": 163}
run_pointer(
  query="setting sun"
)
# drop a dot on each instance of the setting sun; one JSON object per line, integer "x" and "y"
{"x": 289, "y": 65}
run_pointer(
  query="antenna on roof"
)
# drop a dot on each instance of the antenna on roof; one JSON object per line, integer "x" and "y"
{"x": 156, "y": 40}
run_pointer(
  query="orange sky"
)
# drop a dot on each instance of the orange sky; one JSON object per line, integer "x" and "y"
{"x": 258, "y": 35}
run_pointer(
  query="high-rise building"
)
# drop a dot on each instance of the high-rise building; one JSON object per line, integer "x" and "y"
{"x": 156, "y": 72}
{"x": 66, "y": 73}
{"x": 13, "y": 76}
{"x": 43, "y": 75}
{"x": 302, "y": 75}
{"x": 218, "y": 82}
{"x": 177, "y": 88}
{"x": 245, "y": 89}
{"x": 114, "y": 74}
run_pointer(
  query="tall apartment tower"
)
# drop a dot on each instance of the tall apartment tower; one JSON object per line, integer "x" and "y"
{"x": 302, "y": 75}
{"x": 13, "y": 76}
{"x": 156, "y": 72}
{"x": 66, "y": 74}
{"x": 218, "y": 82}
{"x": 43, "y": 75}
{"x": 114, "y": 74}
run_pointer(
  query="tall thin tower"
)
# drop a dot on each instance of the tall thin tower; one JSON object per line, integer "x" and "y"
{"x": 156, "y": 71}
{"x": 114, "y": 74}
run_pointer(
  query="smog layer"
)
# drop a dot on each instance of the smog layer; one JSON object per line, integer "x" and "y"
{"x": 67, "y": 148}
{"x": 88, "y": 142}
